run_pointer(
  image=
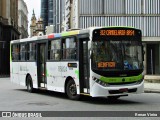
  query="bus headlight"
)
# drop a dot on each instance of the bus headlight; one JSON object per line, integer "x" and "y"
{"x": 100, "y": 82}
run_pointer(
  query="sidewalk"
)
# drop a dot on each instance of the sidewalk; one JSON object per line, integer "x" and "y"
{"x": 152, "y": 84}
{"x": 151, "y": 87}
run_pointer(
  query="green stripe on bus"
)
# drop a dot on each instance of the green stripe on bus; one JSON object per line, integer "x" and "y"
{"x": 121, "y": 79}
{"x": 77, "y": 73}
{"x": 70, "y": 33}
{"x": 47, "y": 73}
{"x": 65, "y": 34}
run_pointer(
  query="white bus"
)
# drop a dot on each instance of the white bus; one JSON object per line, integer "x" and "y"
{"x": 98, "y": 62}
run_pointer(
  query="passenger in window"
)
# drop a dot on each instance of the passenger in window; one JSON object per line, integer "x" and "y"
{"x": 73, "y": 54}
{"x": 57, "y": 56}
{"x": 67, "y": 54}
{"x": 51, "y": 55}
{"x": 31, "y": 55}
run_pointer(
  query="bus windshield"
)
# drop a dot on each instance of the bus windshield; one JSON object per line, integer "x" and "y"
{"x": 117, "y": 55}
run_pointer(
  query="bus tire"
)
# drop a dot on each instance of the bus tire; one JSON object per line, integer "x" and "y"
{"x": 71, "y": 90}
{"x": 30, "y": 84}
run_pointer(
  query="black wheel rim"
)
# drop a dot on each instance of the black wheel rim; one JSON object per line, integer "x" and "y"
{"x": 72, "y": 89}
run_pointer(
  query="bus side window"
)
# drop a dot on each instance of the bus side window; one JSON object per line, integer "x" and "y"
{"x": 27, "y": 52}
{"x": 54, "y": 50}
{"x": 15, "y": 52}
{"x": 69, "y": 48}
{"x": 22, "y": 52}
{"x": 32, "y": 51}
{"x": 12, "y": 51}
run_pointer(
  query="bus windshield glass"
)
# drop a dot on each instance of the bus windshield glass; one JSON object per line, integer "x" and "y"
{"x": 117, "y": 55}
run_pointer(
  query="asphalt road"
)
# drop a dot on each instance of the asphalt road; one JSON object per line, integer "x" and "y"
{"x": 16, "y": 98}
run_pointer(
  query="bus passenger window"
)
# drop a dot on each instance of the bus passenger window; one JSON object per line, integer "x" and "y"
{"x": 69, "y": 49}
{"x": 32, "y": 51}
{"x": 54, "y": 50}
{"x": 15, "y": 52}
{"x": 22, "y": 52}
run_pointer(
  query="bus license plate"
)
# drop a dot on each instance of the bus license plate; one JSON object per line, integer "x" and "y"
{"x": 123, "y": 90}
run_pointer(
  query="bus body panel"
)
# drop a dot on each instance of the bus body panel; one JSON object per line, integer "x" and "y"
{"x": 97, "y": 90}
{"x": 100, "y": 91}
{"x": 54, "y": 77}
{"x": 15, "y": 72}
{"x": 70, "y": 72}
{"x": 57, "y": 74}
{"x": 22, "y": 73}
{"x": 32, "y": 71}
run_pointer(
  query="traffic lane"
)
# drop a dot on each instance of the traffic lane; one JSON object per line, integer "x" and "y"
{"x": 15, "y": 97}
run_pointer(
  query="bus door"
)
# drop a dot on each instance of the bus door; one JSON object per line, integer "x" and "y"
{"x": 41, "y": 65}
{"x": 84, "y": 65}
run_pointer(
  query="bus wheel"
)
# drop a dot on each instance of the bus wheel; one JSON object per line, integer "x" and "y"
{"x": 113, "y": 97}
{"x": 30, "y": 85}
{"x": 71, "y": 90}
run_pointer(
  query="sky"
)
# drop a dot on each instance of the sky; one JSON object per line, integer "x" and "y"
{"x": 33, "y": 4}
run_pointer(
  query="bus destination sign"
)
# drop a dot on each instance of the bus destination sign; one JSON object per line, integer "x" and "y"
{"x": 117, "y": 32}
{"x": 106, "y": 64}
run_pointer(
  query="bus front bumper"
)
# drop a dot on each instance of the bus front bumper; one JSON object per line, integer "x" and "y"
{"x": 116, "y": 90}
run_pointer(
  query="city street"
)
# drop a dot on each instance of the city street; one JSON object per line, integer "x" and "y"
{"x": 80, "y": 46}
{"x": 16, "y": 98}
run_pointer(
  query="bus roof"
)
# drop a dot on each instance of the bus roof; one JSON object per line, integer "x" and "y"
{"x": 63, "y": 34}
{"x": 52, "y": 35}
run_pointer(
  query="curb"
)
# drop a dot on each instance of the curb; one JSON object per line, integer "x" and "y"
{"x": 152, "y": 81}
{"x": 151, "y": 91}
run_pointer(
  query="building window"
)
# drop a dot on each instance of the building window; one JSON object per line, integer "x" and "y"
{"x": 54, "y": 50}
{"x": 69, "y": 49}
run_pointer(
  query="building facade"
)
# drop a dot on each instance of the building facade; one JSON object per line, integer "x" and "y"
{"x": 36, "y": 26}
{"x": 8, "y": 31}
{"x": 142, "y": 14}
{"x": 49, "y": 29}
{"x": 22, "y": 19}
{"x": 58, "y": 14}
{"x": 52, "y": 12}
{"x": 44, "y": 12}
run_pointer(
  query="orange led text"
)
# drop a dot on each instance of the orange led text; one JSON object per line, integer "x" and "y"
{"x": 117, "y": 32}
{"x": 106, "y": 65}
